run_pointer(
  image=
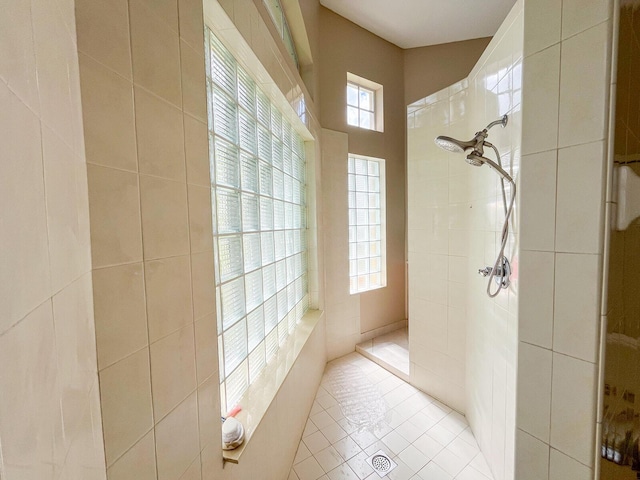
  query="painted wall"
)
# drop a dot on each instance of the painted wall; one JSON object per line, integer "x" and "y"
{"x": 50, "y": 424}
{"x": 430, "y": 69}
{"x": 562, "y": 207}
{"x": 462, "y": 343}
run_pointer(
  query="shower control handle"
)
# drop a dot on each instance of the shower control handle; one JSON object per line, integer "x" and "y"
{"x": 485, "y": 272}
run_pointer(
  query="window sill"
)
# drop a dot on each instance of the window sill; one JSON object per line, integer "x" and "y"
{"x": 263, "y": 391}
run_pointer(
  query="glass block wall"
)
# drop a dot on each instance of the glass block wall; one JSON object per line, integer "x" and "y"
{"x": 367, "y": 245}
{"x": 259, "y": 222}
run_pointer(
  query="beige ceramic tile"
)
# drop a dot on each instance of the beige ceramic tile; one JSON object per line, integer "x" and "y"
{"x": 173, "y": 370}
{"x": 194, "y": 94}
{"x": 191, "y": 23}
{"x": 125, "y": 390}
{"x": 196, "y": 146}
{"x": 103, "y": 33}
{"x": 200, "y": 228}
{"x": 542, "y": 22}
{"x": 534, "y": 390}
{"x": 538, "y": 201}
{"x": 532, "y": 457}
{"x": 164, "y": 217}
{"x": 209, "y": 409}
{"x": 24, "y": 276}
{"x": 206, "y": 347}
{"x": 107, "y": 108}
{"x": 75, "y": 347}
{"x": 168, "y": 290}
{"x": 174, "y": 458}
{"x": 17, "y": 55}
{"x": 114, "y": 206}
{"x": 194, "y": 472}
{"x": 65, "y": 178}
{"x": 29, "y": 403}
{"x": 139, "y": 463}
{"x": 573, "y": 407}
{"x": 120, "y": 314}
{"x": 156, "y": 53}
{"x": 580, "y": 200}
{"x": 541, "y": 86}
{"x": 563, "y": 467}
{"x": 160, "y": 137}
{"x": 582, "y": 104}
{"x": 163, "y": 10}
{"x": 578, "y": 15}
{"x": 57, "y": 63}
{"x": 535, "y": 305}
{"x": 576, "y": 306}
{"x": 203, "y": 282}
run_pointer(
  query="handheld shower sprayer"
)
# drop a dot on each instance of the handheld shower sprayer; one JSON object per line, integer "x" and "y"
{"x": 474, "y": 149}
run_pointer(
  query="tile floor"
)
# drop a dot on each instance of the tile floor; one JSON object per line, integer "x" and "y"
{"x": 389, "y": 350}
{"x": 361, "y": 408}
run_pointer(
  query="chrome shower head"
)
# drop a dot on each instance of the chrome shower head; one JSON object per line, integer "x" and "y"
{"x": 475, "y": 159}
{"x": 453, "y": 145}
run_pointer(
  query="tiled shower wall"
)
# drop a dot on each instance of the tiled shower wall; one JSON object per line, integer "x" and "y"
{"x": 144, "y": 105}
{"x": 50, "y": 424}
{"x": 462, "y": 343}
{"x": 562, "y": 177}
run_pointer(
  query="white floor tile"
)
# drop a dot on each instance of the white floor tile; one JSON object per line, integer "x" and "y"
{"x": 434, "y": 472}
{"x": 327, "y": 401}
{"x": 395, "y": 442}
{"x": 309, "y": 428}
{"x": 449, "y": 462}
{"x": 410, "y": 431}
{"x": 470, "y": 473}
{"x": 322, "y": 419}
{"x": 309, "y": 469}
{"x": 428, "y": 445}
{"x": 335, "y": 412}
{"x": 401, "y": 472}
{"x": 302, "y": 454}
{"x": 454, "y": 422}
{"x": 414, "y": 458}
{"x": 462, "y": 449}
{"x": 441, "y": 434}
{"x": 316, "y": 442}
{"x": 333, "y": 432}
{"x": 359, "y": 465}
{"x": 329, "y": 459}
{"x": 343, "y": 472}
{"x": 347, "y": 448}
{"x": 363, "y": 438}
{"x": 480, "y": 464}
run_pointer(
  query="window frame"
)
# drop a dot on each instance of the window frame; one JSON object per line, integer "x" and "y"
{"x": 377, "y": 91}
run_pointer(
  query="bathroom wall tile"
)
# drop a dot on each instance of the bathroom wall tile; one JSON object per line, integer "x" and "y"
{"x": 541, "y": 25}
{"x": 103, "y": 33}
{"x": 194, "y": 95}
{"x": 56, "y": 64}
{"x": 168, "y": 291}
{"x": 174, "y": 458}
{"x": 200, "y": 228}
{"x": 65, "y": 180}
{"x": 24, "y": 277}
{"x": 532, "y": 457}
{"x": 165, "y": 11}
{"x": 160, "y": 137}
{"x": 580, "y": 198}
{"x": 114, "y": 207}
{"x": 139, "y": 463}
{"x": 541, "y": 87}
{"x": 583, "y": 56}
{"x": 17, "y": 54}
{"x": 125, "y": 391}
{"x": 107, "y": 109}
{"x": 191, "y": 23}
{"x": 208, "y": 411}
{"x": 196, "y": 145}
{"x": 573, "y": 407}
{"x": 538, "y": 201}
{"x": 164, "y": 217}
{"x": 576, "y": 306}
{"x": 194, "y": 472}
{"x": 579, "y": 15}
{"x": 534, "y": 390}
{"x": 173, "y": 370}
{"x": 29, "y": 398}
{"x": 562, "y": 467}
{"x": 206, "y": 347}
{"x": 120, "y": 313}
{"x": 535, "y": 307}
{"x": 155, "y": 52}
{"x": 204, "y": 301}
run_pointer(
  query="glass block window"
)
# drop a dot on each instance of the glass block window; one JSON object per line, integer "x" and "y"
{"x": 276, "y": 12}
{"x": 367, "y": 237}
{"x": 259, "y": 222}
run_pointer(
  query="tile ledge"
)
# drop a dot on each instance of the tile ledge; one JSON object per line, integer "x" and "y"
{"x": 261, "y": 394}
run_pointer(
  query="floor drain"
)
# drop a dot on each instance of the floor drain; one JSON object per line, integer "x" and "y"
{"x": 381, "y": 463}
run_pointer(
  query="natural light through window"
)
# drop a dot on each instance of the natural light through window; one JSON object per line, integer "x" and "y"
{"x": 364, "y": 103}
{"x": 367, "y": 238}
{"x": 259, "y": 223}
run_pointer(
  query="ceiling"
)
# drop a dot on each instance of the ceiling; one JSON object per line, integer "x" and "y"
{"x": 417, "y": 23}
